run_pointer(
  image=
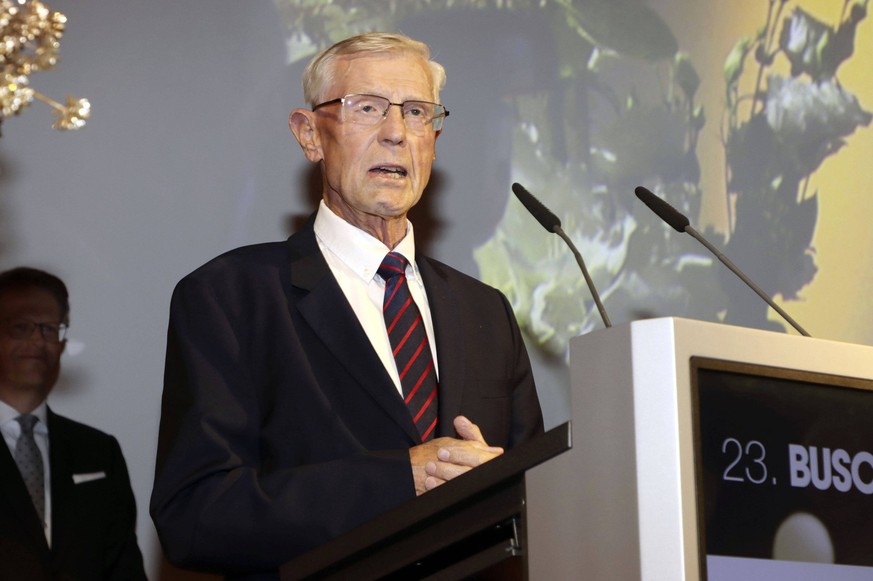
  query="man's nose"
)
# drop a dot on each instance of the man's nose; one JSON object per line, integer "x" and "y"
{"x": 394, "y": 125}
{"x": 36, "y": 335}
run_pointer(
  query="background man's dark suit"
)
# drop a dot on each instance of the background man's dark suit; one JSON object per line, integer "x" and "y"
{"x": 93, "y": 523}
{"x": 281, "y": 428}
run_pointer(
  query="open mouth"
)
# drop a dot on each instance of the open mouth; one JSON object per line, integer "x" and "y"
{"x": 389, "y": 170}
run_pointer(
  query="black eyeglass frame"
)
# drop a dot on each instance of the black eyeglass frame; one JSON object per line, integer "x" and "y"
{"x": 50, "y": 332}
{"x": 437, "y": 120}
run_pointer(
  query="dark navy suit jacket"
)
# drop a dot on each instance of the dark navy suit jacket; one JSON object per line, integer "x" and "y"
{"x": 281, "y": 429}
{"x": 93, "y": 522}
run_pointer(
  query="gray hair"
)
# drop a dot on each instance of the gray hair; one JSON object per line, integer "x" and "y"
{"x": 320, "y": 71}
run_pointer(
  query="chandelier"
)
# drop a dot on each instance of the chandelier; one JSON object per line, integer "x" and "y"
{"x": 30, "y": 42}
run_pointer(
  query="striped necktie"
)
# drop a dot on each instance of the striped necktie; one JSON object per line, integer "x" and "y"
{"x": 29, "y": 461}
{"x": 409, "y": 343}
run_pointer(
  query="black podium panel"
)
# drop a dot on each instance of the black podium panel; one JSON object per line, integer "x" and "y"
{"x": 473, "y": 527}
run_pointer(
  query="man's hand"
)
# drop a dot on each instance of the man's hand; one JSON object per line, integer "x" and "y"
{"x": 442, "y": 459}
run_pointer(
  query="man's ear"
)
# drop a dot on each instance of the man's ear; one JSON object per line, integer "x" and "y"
{"x": 302, "y": 124}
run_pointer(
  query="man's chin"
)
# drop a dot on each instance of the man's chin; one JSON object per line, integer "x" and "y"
{"x": 394, "y": 205}
{"x": 36, "y": 377}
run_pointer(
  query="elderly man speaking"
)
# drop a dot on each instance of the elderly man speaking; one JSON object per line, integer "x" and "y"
{"x": 315, "y": 383}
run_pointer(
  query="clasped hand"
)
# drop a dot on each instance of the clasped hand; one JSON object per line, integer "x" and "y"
{"x": 441, "y": 459}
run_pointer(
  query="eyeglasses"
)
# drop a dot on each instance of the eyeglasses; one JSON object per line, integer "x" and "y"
{"x": 19, "y": 329}
{"x": 372, "y": 110}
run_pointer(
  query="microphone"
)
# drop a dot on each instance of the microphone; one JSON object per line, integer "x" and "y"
{"x": 680, "y": 223}
{"x": 553, "y": 224}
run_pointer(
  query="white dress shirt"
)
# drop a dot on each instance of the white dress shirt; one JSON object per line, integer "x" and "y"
{"x": 12, "y": 431}
{"x": 354, "y": 257}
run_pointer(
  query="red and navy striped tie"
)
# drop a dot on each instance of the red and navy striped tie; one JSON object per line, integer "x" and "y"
{"x": 410, "y": 346}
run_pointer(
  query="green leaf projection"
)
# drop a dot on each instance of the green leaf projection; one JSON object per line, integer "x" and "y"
{"x": 624, "y": 110}
{"x": 773, "y": 146}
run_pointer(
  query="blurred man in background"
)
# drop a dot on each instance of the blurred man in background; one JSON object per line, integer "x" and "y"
{"x": 67, "y": 510}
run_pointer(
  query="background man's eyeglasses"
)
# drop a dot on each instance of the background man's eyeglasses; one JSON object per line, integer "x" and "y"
{"x": 24, "y": 330}
{"x": 372, "y": 110}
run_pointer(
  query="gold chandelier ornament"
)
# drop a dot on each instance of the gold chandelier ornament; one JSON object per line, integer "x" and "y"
{"x": 31, "y": 35}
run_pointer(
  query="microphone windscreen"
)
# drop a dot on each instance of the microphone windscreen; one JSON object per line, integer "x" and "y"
{"x": 665, "y": 211}
{"x": 543, "y": 215}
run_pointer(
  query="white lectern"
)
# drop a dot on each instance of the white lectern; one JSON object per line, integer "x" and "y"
{"x": 676, "y": 425}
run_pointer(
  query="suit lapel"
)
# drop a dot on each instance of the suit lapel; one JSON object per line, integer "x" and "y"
{"x": 449, "y": 344}
{"x": 325, "y": 309}
{"x": 60, "y": 455}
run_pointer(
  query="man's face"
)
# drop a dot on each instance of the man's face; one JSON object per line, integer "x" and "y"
{"x": 378, "y": 172}
{"x": 29, "y": 366}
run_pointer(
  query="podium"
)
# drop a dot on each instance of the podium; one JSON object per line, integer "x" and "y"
{"x": 654, "y": 489}
{"x": 471, "y": 526}
{"x": 627, "y": 489}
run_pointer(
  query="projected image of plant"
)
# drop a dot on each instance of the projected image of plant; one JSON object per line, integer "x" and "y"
{"x": 623, "y": 111}
{"x": 776, "y": 135}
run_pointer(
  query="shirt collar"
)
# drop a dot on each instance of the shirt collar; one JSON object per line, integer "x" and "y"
{"x": 9, "y": 413}
{"x": 358, "y": 250}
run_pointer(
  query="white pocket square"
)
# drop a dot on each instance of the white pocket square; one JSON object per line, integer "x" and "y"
{"x": 88, "y": 477}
